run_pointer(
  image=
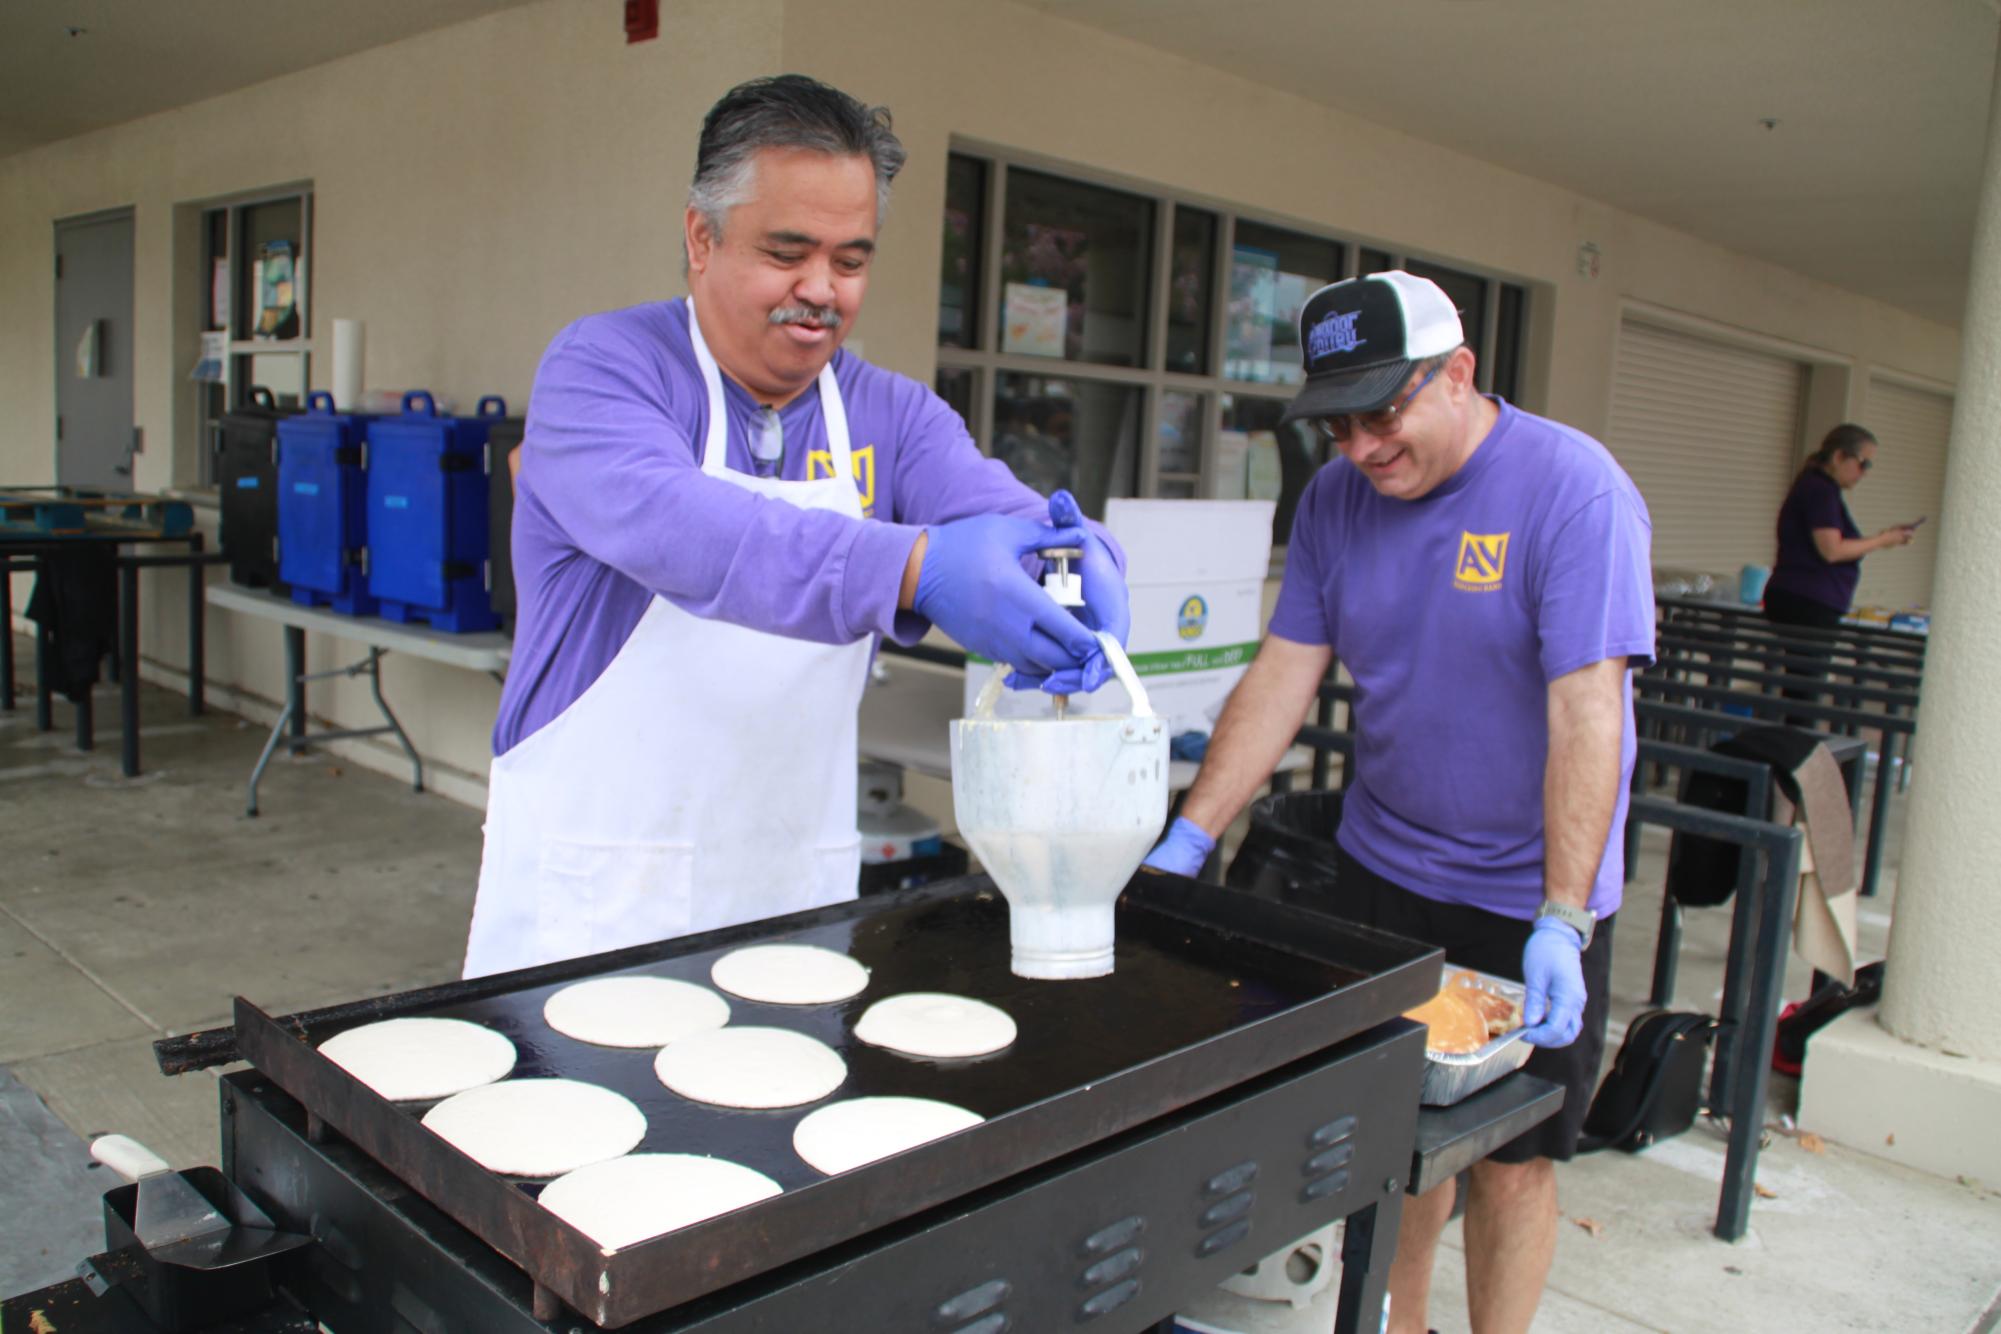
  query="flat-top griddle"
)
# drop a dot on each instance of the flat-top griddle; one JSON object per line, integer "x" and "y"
{"x": 1211, "y": 989}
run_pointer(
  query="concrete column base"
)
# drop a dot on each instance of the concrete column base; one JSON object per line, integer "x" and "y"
{"x": 1880, "y": 1095}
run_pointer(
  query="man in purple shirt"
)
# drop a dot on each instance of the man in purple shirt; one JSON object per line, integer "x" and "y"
{"x": 1483, "y": 574}
{"x": 717, "y": 513}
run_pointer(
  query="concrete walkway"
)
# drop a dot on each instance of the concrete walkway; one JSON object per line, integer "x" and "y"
{"x": 135, "y": 910}
{"x": 132, "y": 910}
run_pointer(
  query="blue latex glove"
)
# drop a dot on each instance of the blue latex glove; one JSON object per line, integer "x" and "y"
{"x": 1183, "y": 851}
{"x": 1078, "y": 681}
{"x": 1553, "y": 969}
{"x": 973, "y": 587}
{"x": 1107, "y": 605}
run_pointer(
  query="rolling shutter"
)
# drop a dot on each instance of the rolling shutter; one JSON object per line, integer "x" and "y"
{"x": 1907, "y": 480}
{"x": 1709, "y": 432}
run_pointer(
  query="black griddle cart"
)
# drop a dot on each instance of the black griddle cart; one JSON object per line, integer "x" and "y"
{"x": 1242, "y": 1079}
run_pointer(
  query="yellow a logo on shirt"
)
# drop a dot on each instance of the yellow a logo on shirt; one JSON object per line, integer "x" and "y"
{"x": 1483, "y": 557}
{"x": 820, "y": 463}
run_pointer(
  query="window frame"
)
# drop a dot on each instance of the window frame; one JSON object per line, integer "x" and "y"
{"x": 237, "y": 379}
{"x": 985, "y": 363}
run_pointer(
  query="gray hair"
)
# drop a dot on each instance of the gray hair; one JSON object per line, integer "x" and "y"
{"x": 789, "y": 111}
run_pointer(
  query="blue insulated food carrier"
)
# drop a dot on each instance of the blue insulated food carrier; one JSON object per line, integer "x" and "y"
{"x": 427, "y": 515}
{"x": 322, "y": 520}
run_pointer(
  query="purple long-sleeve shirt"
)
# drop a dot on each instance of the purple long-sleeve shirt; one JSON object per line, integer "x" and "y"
{"x": 612, "y": 506}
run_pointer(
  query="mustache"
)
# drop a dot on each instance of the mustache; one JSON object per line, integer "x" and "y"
{"x": 813, "y": 317}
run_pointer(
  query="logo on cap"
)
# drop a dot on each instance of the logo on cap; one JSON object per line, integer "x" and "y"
{"x": 1336, "y": 333}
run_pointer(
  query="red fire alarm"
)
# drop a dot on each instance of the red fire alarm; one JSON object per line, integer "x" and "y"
{"x": 642, "y": 20}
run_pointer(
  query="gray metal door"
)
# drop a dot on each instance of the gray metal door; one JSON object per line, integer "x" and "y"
{"x": 94, "y": 434}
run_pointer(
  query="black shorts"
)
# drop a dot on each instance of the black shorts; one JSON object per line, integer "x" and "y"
{"x": 1491, "y": 943}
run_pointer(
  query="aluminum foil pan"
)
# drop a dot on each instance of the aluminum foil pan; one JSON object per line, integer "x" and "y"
{"x": 1451, "y": 1078}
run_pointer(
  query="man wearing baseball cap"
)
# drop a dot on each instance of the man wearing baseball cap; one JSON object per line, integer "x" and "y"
{"x": 1483, "y": 574}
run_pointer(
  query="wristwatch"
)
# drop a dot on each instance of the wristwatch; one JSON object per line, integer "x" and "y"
{"x": 1581, "y": 920}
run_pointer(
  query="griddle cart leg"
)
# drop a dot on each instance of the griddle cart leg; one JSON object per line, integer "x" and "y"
{"x": 1368, "y": 1244}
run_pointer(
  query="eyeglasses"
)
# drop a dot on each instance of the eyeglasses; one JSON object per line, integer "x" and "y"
{"x": 767, "y": 445}
{"x": 1382, "y": 421}
{"x": 1865, "y": 464}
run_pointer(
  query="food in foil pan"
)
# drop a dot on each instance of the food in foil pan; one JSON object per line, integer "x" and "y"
{"x": 1473, "y": 1035}
{"x": 1468, "y": 1010}
{"x": 1453, "y": 1023}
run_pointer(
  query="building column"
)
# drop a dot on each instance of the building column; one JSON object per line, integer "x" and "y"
{"x": 1945, "y": 945}
{"x": 1920, "y": 1080}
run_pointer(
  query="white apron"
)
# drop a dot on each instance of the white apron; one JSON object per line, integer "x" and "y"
{"x": 706, "y": 778}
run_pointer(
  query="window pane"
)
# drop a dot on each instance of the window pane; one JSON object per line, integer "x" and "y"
{"x": 1510, "y": 332}
{"x": 1180, "y": 435}
{"x": 1056, "y": 433}
{"x": 1188, "y": 291}
{"x": 1467, "y": 292}
{"x": 1374, "y": 261}
{"x": 1075, "y": 262}
{"x": 270, "y": 272}
{"x": 955, "y": 386}
{"x": 215, "y": 270}
{"x": 1272, "y": 272}
{"x": 959, "y": 275}
{"x": 1257, "y": 459}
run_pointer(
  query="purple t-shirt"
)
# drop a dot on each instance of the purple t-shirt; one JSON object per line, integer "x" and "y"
{"x": 1453, "y": 613}
{"x": 1814, "y": 502}
{"x": 612, "y": 506}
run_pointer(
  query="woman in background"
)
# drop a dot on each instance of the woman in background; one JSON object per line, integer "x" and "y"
{"x": 1820, "y": 548}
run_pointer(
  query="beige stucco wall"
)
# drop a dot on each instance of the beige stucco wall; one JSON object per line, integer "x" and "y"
{"x": 478, "y": 187}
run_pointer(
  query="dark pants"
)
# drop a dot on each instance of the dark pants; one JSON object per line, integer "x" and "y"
{"x": 1784, "y": 609}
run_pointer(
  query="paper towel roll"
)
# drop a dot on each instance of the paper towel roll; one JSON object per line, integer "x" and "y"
{"x": 350, "y": 337}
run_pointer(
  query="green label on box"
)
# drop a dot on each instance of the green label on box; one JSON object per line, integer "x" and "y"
{"x": 1175, "y": 661}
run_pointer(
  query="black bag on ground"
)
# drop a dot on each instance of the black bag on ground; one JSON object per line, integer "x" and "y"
{"x": 1654, "y": 1088}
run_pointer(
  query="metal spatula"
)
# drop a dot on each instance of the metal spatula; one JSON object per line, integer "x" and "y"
{"x": 176, "y": 1223}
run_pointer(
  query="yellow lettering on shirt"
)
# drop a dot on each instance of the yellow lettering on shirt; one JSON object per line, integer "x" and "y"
{"x": 1483, "y": 558}
{"x": 820, "y": 464}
